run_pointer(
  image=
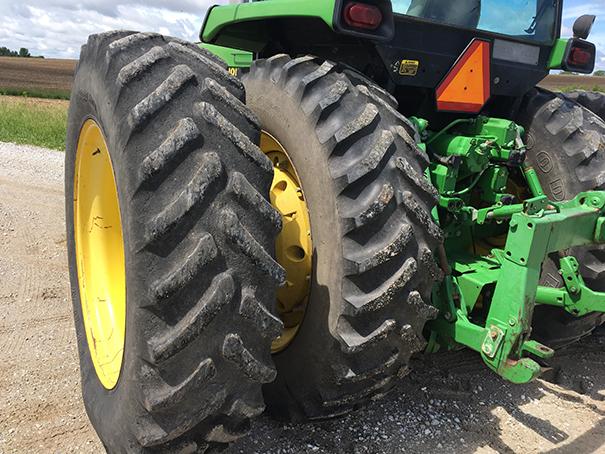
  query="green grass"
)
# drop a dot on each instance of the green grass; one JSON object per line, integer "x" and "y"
{"x": 44, "y": 93}
{"x": 33, "y": 122}
{"x": 24, "y": 119}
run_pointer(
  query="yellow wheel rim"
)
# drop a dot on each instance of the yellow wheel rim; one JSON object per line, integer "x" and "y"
{"x": 293, "y": 247}
{"x": 100, "y": 254}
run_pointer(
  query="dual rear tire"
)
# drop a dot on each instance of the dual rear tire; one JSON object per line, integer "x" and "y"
{"x": 197, "y": 270}
{"x": 198, "y": 273}
{"x": 191, "y": 316}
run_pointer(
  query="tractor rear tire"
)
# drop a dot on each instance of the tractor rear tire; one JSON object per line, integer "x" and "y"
{"x": 362, "y": 175}
{"x": 198, "y": 243}
{"x": 566, "y": 147}
{"x": 593, "y": 101}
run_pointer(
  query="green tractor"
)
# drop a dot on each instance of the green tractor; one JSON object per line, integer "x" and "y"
{"x": 282, "y": 215}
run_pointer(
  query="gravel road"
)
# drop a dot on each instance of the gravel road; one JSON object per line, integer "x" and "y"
{"x": 449, "y": 403}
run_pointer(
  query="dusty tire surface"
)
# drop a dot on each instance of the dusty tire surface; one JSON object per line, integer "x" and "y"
{"x": 592, "y": 100}
{"x": 373, "y": 236}
{"x": 566, "y": 147}
{"x": 199, "y": 236}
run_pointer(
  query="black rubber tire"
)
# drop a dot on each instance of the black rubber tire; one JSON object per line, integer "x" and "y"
{"x": 566, "y": 147}
{"x": 373, "y": 235}
{"x": 199, "y": 236}
{"x": 593, "y": 101}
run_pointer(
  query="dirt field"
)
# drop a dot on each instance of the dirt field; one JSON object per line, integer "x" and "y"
{"x": 37, "y": 75}
{"x": 558, "y": 82}
{"x": 450, "y": 403}
{"x": 44, "y": 75}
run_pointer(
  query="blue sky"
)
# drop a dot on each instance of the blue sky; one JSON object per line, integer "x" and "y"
{"x": 57, "y": 28}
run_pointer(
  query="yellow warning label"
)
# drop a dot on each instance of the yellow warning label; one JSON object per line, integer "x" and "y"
{"x": 409, "y": 67}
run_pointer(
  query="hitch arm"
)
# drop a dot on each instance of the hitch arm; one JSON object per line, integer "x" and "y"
{"x": 576, "y": 298}
{"x": 504, "y": 339}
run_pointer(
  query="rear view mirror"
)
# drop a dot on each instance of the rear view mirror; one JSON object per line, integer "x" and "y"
{"x": 583, "y": 25}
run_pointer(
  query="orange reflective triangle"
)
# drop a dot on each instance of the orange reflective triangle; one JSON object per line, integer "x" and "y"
{"x": 466, "y": 88}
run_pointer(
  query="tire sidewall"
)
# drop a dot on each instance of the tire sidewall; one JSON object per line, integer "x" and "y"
{"x": 309, "y": 158}
{"x": 104, "y": 407}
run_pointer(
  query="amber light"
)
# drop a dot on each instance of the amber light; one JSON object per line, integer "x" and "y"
{"x": 361, "y": 15}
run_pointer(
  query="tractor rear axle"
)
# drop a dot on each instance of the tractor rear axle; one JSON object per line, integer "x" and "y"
{"x": 487, "y": 301}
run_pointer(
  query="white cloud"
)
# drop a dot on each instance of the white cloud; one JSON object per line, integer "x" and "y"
{"x": 573, "y": 12}
{"x": 57, "y": 28}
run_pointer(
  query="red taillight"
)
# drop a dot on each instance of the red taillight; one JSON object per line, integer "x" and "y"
{"x": 361, "y": 15}
{"x": 579, "y": 57}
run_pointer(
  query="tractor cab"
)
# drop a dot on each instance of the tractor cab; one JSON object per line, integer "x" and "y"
{"x": 496, "y": 50}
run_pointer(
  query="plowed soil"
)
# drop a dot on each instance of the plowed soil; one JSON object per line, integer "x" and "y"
{"x": 558, "y": 82}
{"x": 449, "y": 403}
{"x": 36, "y": 74}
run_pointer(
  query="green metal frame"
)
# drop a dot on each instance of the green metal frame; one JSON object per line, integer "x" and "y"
{"x": 234, "y": 58}
{"x": 557, "y": 54}
{"x": 472, "y": 161}
{"x": 503, "y": 339}
{"x": 221, "y": 16}
{"x": 576, "y": 298}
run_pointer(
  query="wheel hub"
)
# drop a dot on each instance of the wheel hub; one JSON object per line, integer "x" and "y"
{"x": 294, "y": 247}
{"x": 99, "y": 254}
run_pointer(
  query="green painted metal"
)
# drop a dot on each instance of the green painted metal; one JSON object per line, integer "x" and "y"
{"x": 221, "y": 16}
{"x": 472, "y": 156}
{"x": 234, "y": 58}
{"x": 557, "y": 54}
{"x": 502, "y": 339}
{"x": 576, "y": 298}
{"x": 533, "y": 182}
{"x": 471, "y": 145}
{"x": 531, "y": 238}
{"x": 487, "y": 301}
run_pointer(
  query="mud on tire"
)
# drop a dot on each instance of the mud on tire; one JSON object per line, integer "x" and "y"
{"x": 593, "y": 101}
{"x": 369, "y": 204}
{"x": 199, "y": 236}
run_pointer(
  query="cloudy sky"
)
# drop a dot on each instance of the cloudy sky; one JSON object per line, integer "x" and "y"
{"x": 574, "y": 9}
{"x": 57, "y": 28}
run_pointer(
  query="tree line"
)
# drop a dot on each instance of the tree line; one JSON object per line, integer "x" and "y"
{"x": 23, "y": 53}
